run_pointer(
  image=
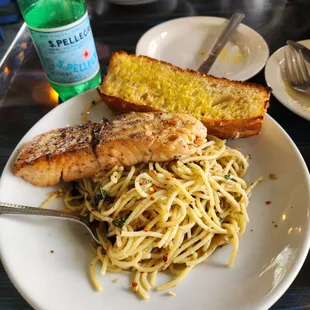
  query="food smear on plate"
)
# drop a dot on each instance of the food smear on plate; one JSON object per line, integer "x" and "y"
{"x": 229, "y": 109}
{"x": 300, "y": 98}
{"x": 234, "y": 54}
{"x": 77, "y": 152}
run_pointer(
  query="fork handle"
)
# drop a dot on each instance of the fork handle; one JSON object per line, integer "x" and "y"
{"x": 233, "y": 23}
{"x": 9, "y": 208}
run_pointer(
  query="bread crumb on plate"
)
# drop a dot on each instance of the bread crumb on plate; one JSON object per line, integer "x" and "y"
{"x": 272, "y": 176}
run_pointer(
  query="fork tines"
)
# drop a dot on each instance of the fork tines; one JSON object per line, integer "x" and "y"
{"x": 296, "y": 70}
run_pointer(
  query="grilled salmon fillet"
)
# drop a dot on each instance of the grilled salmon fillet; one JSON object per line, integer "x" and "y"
{"x": 77, "y": 152}
{"x": 142, "y": 137}
{"x": 65, "y": 153}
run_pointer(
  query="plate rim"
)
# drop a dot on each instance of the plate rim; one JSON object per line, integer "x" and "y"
{"x": 268, "y": 301}
{"x": 149, "y": 32}
{"x": 291, "y": 106}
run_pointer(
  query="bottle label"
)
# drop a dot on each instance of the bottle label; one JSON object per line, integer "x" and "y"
{"x": 68, "y": 54}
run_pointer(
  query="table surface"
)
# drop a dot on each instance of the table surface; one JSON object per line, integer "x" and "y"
{"x": 25, "y": 95}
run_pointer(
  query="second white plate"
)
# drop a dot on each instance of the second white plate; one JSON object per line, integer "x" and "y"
{"x": 186, "y": 42}
{"x": 297, "y": 102}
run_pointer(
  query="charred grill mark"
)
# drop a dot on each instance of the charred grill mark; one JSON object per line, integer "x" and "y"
{"x": 136, "y": 135}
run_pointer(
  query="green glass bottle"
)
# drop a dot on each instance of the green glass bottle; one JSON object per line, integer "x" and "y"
{"x": 63, "y": 38}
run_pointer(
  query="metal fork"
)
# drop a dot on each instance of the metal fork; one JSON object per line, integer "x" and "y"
{"x": 9, "y": 208}
{"x": 296, "y": 70}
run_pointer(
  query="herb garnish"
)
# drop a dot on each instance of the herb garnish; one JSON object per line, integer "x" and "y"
{"x": 227, "y": 176}
{"x": 101, "y": 196}
{"x": 103, "y": 193}
{"x": 121, "y": 222}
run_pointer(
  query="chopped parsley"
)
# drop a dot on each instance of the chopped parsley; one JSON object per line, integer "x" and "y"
{"x": 100, "y": 196}
{"x": 120, "y": 222}
{"x": 103, "y": 193}
{"x": 227, "y": 176}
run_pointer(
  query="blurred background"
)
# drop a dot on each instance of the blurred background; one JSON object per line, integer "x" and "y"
{"x": 10, "y": 22}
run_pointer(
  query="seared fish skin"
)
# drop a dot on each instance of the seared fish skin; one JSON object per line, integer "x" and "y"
{"x": 77, "y": 152}
{"x": 143, "y": 137}
{"x": 65, "y": 153}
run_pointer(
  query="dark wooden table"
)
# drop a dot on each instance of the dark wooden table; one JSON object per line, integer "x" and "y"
{"x": 25, "y": 95}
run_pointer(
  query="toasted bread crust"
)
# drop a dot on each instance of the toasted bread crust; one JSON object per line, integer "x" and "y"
{"x": 119, "y": 105}
{"x": 222, "y": 128}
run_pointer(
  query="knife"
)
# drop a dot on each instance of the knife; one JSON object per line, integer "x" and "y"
{"x": 299, "y": 47}
{"x": 233, "y": 23}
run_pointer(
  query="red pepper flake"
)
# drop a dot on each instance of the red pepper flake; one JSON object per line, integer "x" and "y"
{"x": 52, "y": 251}
{"x": 94, "y": 209}
{"x": 268, "y": 202}
{"x": 152, "y": 198}
{"x": 165, "y": 258}
{"x": 134, "y": 285}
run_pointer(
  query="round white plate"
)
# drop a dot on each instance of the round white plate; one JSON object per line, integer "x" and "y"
{"x": 268, "y": 260}
{"x": 186, "y": 42}
{"x": 275, "y": 77}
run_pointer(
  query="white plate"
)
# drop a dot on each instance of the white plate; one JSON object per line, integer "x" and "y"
{"x": 186, "y": 42}
{"x": 275, "y": 77}
{"x": 268, "y": 260}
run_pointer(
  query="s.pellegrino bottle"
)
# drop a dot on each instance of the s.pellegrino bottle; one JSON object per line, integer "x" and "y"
{"x": 64, "y": 41}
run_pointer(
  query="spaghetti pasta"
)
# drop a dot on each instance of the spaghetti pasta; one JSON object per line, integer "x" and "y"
{"x": 165, "y": 216}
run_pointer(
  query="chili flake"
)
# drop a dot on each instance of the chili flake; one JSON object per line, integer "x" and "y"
{"x": 134, "y": 285}
{"x": 268, "y": 202}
